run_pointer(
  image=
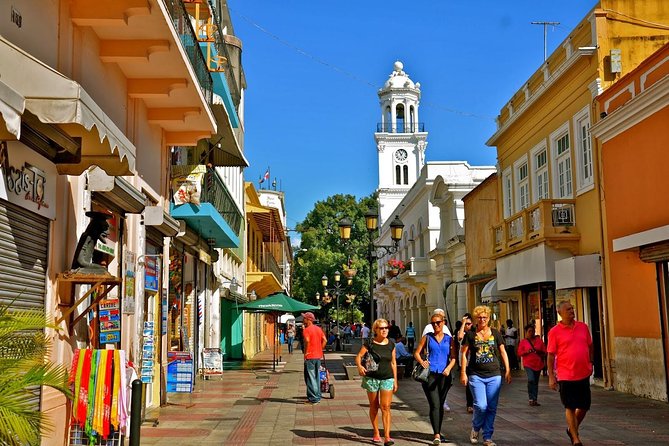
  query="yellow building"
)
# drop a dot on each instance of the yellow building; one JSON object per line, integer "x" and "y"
{"x": 548, "y": 243}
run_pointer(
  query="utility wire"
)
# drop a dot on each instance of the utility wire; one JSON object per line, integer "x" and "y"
{"x": 348, "y": 73}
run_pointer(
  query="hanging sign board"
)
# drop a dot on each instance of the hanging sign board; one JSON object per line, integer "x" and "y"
{"x": 212, "y": 361}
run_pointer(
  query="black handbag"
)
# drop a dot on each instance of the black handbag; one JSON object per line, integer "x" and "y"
{"x": 420, "y": 373}
{"x": 368, "y": 361}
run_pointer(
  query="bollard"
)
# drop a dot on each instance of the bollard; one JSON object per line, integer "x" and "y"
{"x": 136, "y": 413}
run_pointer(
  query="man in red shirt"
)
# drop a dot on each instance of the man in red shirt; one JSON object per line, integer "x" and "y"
{"x": 314, "y": 342}
{"x": 571, "y": 343}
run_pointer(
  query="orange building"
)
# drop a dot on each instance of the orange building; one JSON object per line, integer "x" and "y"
{"x": 633, "y": 140}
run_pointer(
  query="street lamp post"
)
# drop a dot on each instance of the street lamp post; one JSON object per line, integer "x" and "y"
{"x": 374, "y": 251}
{"x": 337, "y": 292}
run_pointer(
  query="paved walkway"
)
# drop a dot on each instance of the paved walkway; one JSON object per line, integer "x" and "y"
{"x": 252, "y": 405}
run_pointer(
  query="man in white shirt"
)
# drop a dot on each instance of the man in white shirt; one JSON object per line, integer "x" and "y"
{"x": 364, "y": 333}
{"x": 511, "y": 340}
{"x": 428, "y": 328}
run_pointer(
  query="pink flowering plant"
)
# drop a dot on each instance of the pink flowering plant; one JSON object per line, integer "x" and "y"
{"x": 396, "y": 264}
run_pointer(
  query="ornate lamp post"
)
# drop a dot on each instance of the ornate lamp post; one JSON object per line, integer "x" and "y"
{"x": 374, "y": 251}
{"x": 338, "y": 286}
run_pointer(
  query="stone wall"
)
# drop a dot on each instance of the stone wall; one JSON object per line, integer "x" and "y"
{"x": 639, "y": 367}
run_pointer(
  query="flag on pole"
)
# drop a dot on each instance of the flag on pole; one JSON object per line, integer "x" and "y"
{"x": 264, "y": 177}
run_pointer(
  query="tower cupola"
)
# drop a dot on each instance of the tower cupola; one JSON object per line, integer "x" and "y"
{"x": 400, "y": 139}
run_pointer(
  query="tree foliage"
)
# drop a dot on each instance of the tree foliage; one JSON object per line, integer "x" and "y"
{"x": 322, "y": 252}
{"x": 23, "y": 352}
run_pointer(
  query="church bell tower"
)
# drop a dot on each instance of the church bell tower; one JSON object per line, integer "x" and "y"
{"x": 400, "y": 140}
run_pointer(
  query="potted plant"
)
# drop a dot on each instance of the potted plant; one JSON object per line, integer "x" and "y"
{"x": 395, "y": 266}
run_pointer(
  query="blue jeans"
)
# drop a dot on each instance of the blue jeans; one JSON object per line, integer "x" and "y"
{"x": 312, "y": 378}
{"x": 486, "y": 396}
{"x": 291, "y": 339}
{"x": 532, "y": 383}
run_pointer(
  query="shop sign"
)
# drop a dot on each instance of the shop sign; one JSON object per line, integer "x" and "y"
{"x": 110, "y": 321}
{"x": 27, "y": 179}
{"x": 179, "y": 372}
{"x": 151, "y": 273}
{"x": 129, "y": 286}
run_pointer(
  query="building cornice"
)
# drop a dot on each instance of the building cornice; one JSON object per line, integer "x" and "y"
{"x": 545, "y": 86}
{"x": 645, "y": 104}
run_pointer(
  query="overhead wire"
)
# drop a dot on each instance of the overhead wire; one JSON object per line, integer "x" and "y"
{"x": 348, "y": 73}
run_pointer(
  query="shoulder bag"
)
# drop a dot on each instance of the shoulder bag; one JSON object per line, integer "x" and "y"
{"x": 368, "y": 361}
{"x": 420, "y": 373}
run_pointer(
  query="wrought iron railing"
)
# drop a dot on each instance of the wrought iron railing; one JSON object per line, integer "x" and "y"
{"x": 269, "y": 264}
{"x": 184, "y": 28}
{"x": 408, "y": 127}
{"x": 222, "y": 49}
{"x": 215, "y": 192}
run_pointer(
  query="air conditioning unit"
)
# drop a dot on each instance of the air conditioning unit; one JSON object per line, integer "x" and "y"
{"x": 563, "y": 216}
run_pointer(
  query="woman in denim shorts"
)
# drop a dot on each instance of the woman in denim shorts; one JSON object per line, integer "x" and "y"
{"x": 381, "y": 383}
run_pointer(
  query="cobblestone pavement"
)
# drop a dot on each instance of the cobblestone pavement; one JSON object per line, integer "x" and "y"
{"x": 253, "y": 405}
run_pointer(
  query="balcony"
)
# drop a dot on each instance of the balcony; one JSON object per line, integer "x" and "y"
{"x": 163, "y": 68}
{"x": 206, "y": 205}
{"x": 264, "y": 274}
{"x": 409, "y": 127}
{"x": 548, "y": 221}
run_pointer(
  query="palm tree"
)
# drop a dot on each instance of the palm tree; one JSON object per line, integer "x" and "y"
{"x": 24, "y": 368}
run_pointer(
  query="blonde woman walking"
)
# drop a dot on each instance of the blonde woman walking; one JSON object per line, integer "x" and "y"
{"x": 380, "y": 384}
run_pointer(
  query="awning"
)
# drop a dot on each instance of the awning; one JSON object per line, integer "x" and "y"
{"x": 578, "y": 272}
{"x": 227, "y": 150}
{"x": 530, "y": 266}
{"x": 117, "y": 190}
{"x": 207, "y": 222}
{"x": 12, "y": 106}
{"x": 56, "y": 99}
{"x": 268, "y": 220}
{"x": 490, "y": 293}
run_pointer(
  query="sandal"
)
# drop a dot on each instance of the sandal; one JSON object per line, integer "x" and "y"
{"x": 391, "y": 442}
{"x": 376, "y": 439}
{"x": 571, "y": 440}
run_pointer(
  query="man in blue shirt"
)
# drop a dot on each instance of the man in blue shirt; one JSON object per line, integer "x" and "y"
{"x": 403, "y": 356}
{"x": 411, "y": 336}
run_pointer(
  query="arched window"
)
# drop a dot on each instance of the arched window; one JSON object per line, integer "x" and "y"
{"x": 421, "y": 243}
{"x": 412, "y": 119}
{"x": 406, "y": 174}
{"x": 387, "y": 120}
{"x": 412, "y": 240}
{"x": 398, "y": 175}
{"x": 399, "y": 115}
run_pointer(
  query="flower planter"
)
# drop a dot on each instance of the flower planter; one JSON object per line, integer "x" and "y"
{"x": 350, "y": 273}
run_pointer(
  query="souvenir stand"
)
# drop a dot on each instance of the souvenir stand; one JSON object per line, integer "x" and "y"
{"x": 98, "y": 377}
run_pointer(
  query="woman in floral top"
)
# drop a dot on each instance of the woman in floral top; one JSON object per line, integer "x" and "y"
{"x": 482, "y": 354}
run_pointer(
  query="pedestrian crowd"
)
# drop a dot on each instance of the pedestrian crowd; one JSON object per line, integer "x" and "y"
{"x": 484, "y": 357}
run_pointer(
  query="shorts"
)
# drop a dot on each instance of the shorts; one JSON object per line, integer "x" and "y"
{"x": 575, "y": 394}
{"x": 374, "y": 385}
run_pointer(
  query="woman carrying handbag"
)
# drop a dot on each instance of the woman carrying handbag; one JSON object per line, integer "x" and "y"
{"x": 440, "y": 360}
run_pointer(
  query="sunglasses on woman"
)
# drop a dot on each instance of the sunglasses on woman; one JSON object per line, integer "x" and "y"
{"x": 435, "y": 323}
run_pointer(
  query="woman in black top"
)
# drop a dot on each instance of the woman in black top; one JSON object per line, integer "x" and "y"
{"x": 481, "y": 370}
{"x": 381, "y": 383}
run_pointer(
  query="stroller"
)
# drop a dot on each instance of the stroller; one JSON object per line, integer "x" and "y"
{"x": 326, "y": 385}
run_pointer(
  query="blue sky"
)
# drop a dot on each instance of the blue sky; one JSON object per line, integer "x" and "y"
{"x": 313, "y": 69}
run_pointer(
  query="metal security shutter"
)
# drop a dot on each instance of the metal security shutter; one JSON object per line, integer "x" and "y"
{"x": 24, "y": 243}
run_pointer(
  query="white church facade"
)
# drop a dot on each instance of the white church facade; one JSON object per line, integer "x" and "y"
{"x": 427, "y": 197}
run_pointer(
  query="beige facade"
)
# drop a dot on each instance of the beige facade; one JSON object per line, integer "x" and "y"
{"x": 101, "y": 96}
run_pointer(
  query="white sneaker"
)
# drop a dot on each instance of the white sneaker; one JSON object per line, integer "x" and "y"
{"x": 474, "y": 437}
{"x": 489, "y": 443}
{"x": 446, "y": 407}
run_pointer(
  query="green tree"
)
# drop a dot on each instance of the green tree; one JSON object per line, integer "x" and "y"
{"x": 24, "y": 348}
{"x": 322, "y": 251}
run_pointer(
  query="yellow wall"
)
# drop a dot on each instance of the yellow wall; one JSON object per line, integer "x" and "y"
{"x": 482, "y": 203}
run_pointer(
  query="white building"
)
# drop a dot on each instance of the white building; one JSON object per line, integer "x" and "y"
{"x": 427, "y": 197}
